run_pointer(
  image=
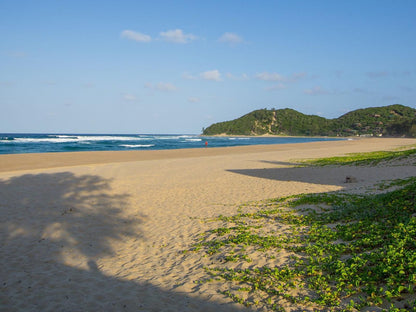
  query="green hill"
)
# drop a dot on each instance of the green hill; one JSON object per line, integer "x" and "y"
{"x": 393, "y": 120}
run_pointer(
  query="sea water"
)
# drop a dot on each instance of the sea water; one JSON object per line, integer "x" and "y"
{"x": 12, "y": 143}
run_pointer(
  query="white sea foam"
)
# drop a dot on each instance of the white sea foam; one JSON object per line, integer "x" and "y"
{"x": 172, "y": 137}
{"x": 79, "y": 138}
{"x": 64, "y": 136}
{"x": 193, "y": 140}
{"x": 137, "y": 145}
{"x": 169, "y": 137}
{"x": 45, "y": 140}
{"x": 111, "y": 138}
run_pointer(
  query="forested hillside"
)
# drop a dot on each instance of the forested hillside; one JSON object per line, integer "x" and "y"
{"x": 393, "y": 120}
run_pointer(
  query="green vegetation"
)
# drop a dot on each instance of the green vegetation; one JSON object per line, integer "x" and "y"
{"x": 370, "y": 158}
{"x": 393, "y": 120}
{"x": 326, "y": 252}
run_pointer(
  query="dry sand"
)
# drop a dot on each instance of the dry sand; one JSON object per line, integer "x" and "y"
{"x": 105, "y": 231}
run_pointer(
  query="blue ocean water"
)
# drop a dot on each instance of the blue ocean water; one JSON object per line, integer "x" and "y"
{"x": 11, "y": 143}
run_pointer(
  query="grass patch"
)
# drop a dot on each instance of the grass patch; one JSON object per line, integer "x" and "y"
{"x": 354, "y": 159}
{"x": 344, "y": 251}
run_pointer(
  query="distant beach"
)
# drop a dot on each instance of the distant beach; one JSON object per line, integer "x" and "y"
{"x": 107, "y": 231}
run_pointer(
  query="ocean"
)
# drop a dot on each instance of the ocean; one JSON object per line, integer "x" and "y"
{"x": 12, "y": 143}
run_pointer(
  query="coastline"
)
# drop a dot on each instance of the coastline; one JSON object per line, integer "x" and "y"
{"x": 53, "y": 143}
{"x": 13, "y": 162}
{"x": 107, "y": 230}
{"x": 267, "y": 135}
{"x": 224, "y": 135}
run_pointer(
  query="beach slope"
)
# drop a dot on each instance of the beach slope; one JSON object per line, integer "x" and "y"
{"x": 106, "y": 231}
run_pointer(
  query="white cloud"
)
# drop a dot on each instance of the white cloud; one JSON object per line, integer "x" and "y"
{"x": 136, "y": 36}
{"x": 177, "y": 36}
{"x": 188, "y": 76}
{"x": 148, "y": 85}
{"x": 266, "y": 76}
{"x": 161, "y": 86}
{"x": 193, "y": 99}
{"x": 214, "y": 75}
{"x": 231, "y": 38}
{"x": 270, "y": 76}
{"x": 316, "y": 91}
{"x": 165, "y": 86}
{"x": 234, "y": 77}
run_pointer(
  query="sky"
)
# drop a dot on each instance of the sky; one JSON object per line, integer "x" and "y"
{"x": 179, "y": 66}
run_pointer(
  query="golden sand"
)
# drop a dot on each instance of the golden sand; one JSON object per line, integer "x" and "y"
{"x": 105, "y": 231}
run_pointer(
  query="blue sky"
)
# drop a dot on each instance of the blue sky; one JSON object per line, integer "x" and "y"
{"x": 178, "y": 66}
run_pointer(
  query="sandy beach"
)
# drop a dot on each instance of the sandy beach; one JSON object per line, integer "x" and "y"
{"x": 106, "y": 231}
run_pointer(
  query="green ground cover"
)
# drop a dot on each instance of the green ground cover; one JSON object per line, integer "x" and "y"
{"x": 344, "y": 252}
{"x": 371, "y": 158}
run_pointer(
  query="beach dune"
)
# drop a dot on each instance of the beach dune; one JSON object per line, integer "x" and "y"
{"x": 106, "y": 231}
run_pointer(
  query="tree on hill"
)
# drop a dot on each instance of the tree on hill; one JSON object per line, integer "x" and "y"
{"x": 393, "y": 120}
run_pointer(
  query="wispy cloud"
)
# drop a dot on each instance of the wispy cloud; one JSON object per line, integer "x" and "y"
{"x": 161, "y": 86}
{"x": 231, "y": 38}
{"x": 316, "y": 91}
{"x": 188, "y": 76}
{"x": 135, "y": 36}
{"x": 177, "y": 36}
{"x": 237, "y": 77}
{"x": 266, "y": 76}
{"x": 165, "y": 86}
{"x": 214, "y": 75}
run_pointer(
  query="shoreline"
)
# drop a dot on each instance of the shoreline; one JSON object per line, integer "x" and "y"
{"x": 278, "y": 136}
{"x": 15, "y": 162}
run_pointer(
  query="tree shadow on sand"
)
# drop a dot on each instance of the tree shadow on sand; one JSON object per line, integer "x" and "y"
{"x": 328, "y": 175}
{"x": 54, "y": 229}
